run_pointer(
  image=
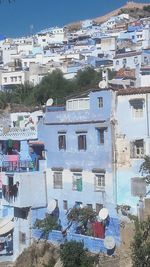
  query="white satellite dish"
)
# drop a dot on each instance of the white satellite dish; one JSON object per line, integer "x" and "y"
{"x": 109, "y": 242}
{"x": 51, "y": 206}
{"x": 103, "y": 214}
{"x": 49, "y": 102}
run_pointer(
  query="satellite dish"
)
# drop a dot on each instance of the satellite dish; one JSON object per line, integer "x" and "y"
{"x": 51, "y": 206}
{"x": 103, "y": 214}
{"x": 49, "y": 102}
{"x": 109, "y": 242}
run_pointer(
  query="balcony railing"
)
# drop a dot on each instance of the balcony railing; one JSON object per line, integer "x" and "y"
{"x": 18, "y": 133}
{"x": 19, "y": 166}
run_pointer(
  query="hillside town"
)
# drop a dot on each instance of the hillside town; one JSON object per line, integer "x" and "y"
{"x": 85, "y": 155}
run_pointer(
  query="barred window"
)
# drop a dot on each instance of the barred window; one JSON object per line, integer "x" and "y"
{"x": 77, "y": 182}
{"x": 137, "y": 106}
{"x": 100, "y": 102}
{"x": 89, "y": 206}
{"x": 65, "y": 204}
{"x": 22, "y": 238}
{"x": 62, "y": 142}
{"x": 57, "y": 180}
{"x": 137, "y": 149}
{"x": 82, "y": 142}
{"x": 99, "y": 182}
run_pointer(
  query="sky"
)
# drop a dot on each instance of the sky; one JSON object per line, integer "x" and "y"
{"x": 19, "y": 17}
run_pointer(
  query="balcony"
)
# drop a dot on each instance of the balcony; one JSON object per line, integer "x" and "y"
{"x": 19, "y": 166}
{"x": 16, "y": 133}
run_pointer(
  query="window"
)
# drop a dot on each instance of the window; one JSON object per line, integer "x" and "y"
{"x": 22, "y": 238}
{"x": 146, "y": 60}
{"x": 100, "y": 102}
{"x": 137, "y": 107}
{"x": 5, "y": 79}
{"x": 11, "y": 79}
{"x": 20, "y": 78}
{"x": 137, "y": 149}
{"x": 77, "y": 182}
{"x": 136, "y": 60}
{"x": 78, "y": 104}
{"x": 99, "y": 182}
{"x": 65, "y": 204}
{"x": 124, "y": 62}
{"x": 78, "y": 204}
{"x": 90, "y": 206}
{"x": 82, "y": 142}
{"x": 117, "y": 62}
{"x": 98, "y": 207}
{"x": 62, "y": 142}
{"x": 57, "y": 180}
{"x": 101, "y": 136}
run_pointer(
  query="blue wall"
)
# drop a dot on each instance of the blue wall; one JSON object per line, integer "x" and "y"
{"x": 96, "y": 155}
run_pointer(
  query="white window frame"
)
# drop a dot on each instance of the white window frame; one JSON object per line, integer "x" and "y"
{"x": 99, "y": 182}
{"x": 57, "y": 181}
{"x": 76, "y": 176}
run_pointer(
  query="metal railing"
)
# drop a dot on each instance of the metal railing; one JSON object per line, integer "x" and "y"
{"x": 19, "y": 166}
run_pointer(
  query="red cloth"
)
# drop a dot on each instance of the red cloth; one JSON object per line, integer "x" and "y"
{"x": 12, "y": 158}
{"x": 98, "y": 230}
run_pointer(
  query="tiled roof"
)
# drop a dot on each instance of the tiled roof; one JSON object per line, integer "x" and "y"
{"x": 133, "y": 91}
{"x": 126, "y": 73}
{"x": 128, "y": 54}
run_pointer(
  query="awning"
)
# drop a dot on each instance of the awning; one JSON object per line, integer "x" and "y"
{"x": 6, "y": 225}
{"x": 37, "y": 142}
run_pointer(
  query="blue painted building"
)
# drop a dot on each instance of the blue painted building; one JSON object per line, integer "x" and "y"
{"x": 132, "y": 140}
{"x": 79, "y": 152}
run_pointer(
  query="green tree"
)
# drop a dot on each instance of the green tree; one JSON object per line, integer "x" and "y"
{"x": 145, "y": 169}
{"x": 141, "y": 244}
{"x": 82, "y": 216}
{"x": 147, "y": 8}
{"x": 54, "y": 85}
{"x": 23, "y": 94}
{"x": 87, "y": 78}
{"x": 47, "y": 224}
{"x": 73, "y": 254}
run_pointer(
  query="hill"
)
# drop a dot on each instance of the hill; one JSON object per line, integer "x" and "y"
{"x": 135, "y": 10}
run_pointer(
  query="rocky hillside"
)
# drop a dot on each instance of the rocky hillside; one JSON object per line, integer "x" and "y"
{"x": 44, "y": 254}
{"x": 41, "y": 254}
{"x": 135, "y": 10}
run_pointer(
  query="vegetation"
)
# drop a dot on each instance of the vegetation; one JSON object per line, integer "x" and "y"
{"x": 145, "y": 168}
{"x": 73, "y": 254}
{"x": 147, "y": 8}
{"x": 47, "y": 224}
{"x": 83, "y": 216}
{"x": 53, "y": 85}
{"x": 141, "y": 244}
{"x": 136, "y": 12}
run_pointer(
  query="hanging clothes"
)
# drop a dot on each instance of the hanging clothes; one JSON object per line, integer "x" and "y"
{"x": 79, "y": 184}
{"x": 10, "y": 143}
{"x": 98, "y": 230}
{"x": 16, "y": 145}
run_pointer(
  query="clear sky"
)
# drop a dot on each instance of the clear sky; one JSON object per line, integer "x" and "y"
{"x": 16, "y": 18}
